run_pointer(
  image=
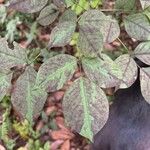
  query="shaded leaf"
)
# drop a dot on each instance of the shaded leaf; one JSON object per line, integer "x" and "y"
{"x": 28, "y": 99}
{"x": 62, "y": 34}
{"x": 85, "y": 99}
{"x": 55, "y": 71}
{"x": 68, "y": 15}
{"x": 145, "y": 3}
{"x": 129, "y": 69}
{"x": 105, "y": 24}
{"x": 125, "y": 4}
{"x": 138, "y": 26}
{"x": 90, "y": 41}
{"x": 145, "y": 83}
{"x": 104, "y": 72}
{"x": 5, "y": 83}
{"x": 10, "y": 58}
{"x": 69, "y": 2}
{"x": 142, "y": 52}
{"x": 27, "y": 6}
{"x": 48, "y": 15}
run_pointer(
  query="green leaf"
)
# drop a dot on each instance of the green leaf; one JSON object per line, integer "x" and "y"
{"x": 85, "y": 107}
{"x": 48, "y": 15}
{"x": 145, "y": 83}
{"x": 90, "y": 41}
{"x": 27, "y": 6}
{"x": 55, "y": 71}
{"x": 61, "y": 35}
{"x": 102, "y": 71}
{"x": 69, "y": 2}
{"x": 138, "y": 26}
{"x": 10, "y": 58}
{"x": 95, "y": 3}
{"x": 129, "y": 69}
{"x": 125, "y": 4}
{"x": 3, "y": 13}
{"x": 5, "y": 83}
{"x": 105, "y": 24}
{"x": 142, "y": 52}
{"x": 28, "y": 99}
{"x": 68, "y": 15}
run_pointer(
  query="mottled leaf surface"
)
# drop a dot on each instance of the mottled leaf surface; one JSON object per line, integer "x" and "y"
{"x": 28, "y": 99}
{"x": 138, "y": 26}
{"x": 96, "y": 19}
{"x": 85, "y": 107}
{"x": 48, "y": 15}
{"x": 90, "y": 41}
{"x": 27, "y": 6}
{"x": 10, "y": 58}
{"x": 104, "y": 72}
{"x": 145, "y": 83}
{"x": 62, "y": 34}
{"x": 68, "y": 15}
{"x": 54, "y": 72}
{"x": 5, "y": 83}
{"x": 142, "y": 52}
{"x": 129, "y": 69}
{"x": 145, "y": 3}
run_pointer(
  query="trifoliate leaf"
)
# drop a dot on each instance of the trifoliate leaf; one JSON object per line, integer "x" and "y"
{"x": 48, "y": 15}
{"x": 68, "y": 15}
{"x": 104, "y": 72}
{"x": 28, "y": 99}
{"x": 138, "y": 26}
{"x": 105, "y": 24}
{"x": 10, "y": 58}
{"x": 145, "y": 83}
{"x": 55, "y": 71}
{"x": 5, "y": 83}
{"x": 125, "y": 4}
{"x": 90, "y": 41}
{"x": 85, "y": 107}
{"x": 129, "y": 69}
{"x": 61, "y": 35}
{"x": 142, "y": 52}
{"x": 145, "y": 3}
{"x": 27, "y": 6}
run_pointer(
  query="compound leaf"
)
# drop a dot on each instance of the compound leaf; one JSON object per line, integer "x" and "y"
{"x": 62, "y": 34}
{"x": 138, "y": 26}
{"x": 104, "y": 72}
{"x": 28, "y": 99}
{"x": 129, "y": 69}
{"x": 55, "y": 71}
{"x": 142, "y": 52}
{"x": 27, "y": 6}
{"x": 10, "y": 58}
{"x": 90, "y": 41}
{"x": 145, "y": 83}
{"x": 48, "y": 15}
{"x": 105, "y": 24}
{"x": 85, "y": 99}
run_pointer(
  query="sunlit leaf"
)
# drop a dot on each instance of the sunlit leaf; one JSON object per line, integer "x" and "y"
{"x": 55, "y": 71}
{"x": 61, "y": 35}
{"x": 145, "y": 3}
{"x": 48, "y": 15}
{"x": 105, "y": 24}
{"x": 129, "y": 69}
{"x": 145, "y": 83}
{"x": 142, "y": 52}
{"x": 138, "y": 26}
{"x": 28, "y": 99}
{"x": 27, "y": 6}
{"x": 85, "y": 107}
{"x": 104, "y": 72}
{"x": 90, "y": 41}
{"x": 10, "y": 58}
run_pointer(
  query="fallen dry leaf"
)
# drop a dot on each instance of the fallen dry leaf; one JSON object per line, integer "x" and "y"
{"x": 66, "y": 145}
{"x": 55, "y": 145}
{"x": 2, "y": 148}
